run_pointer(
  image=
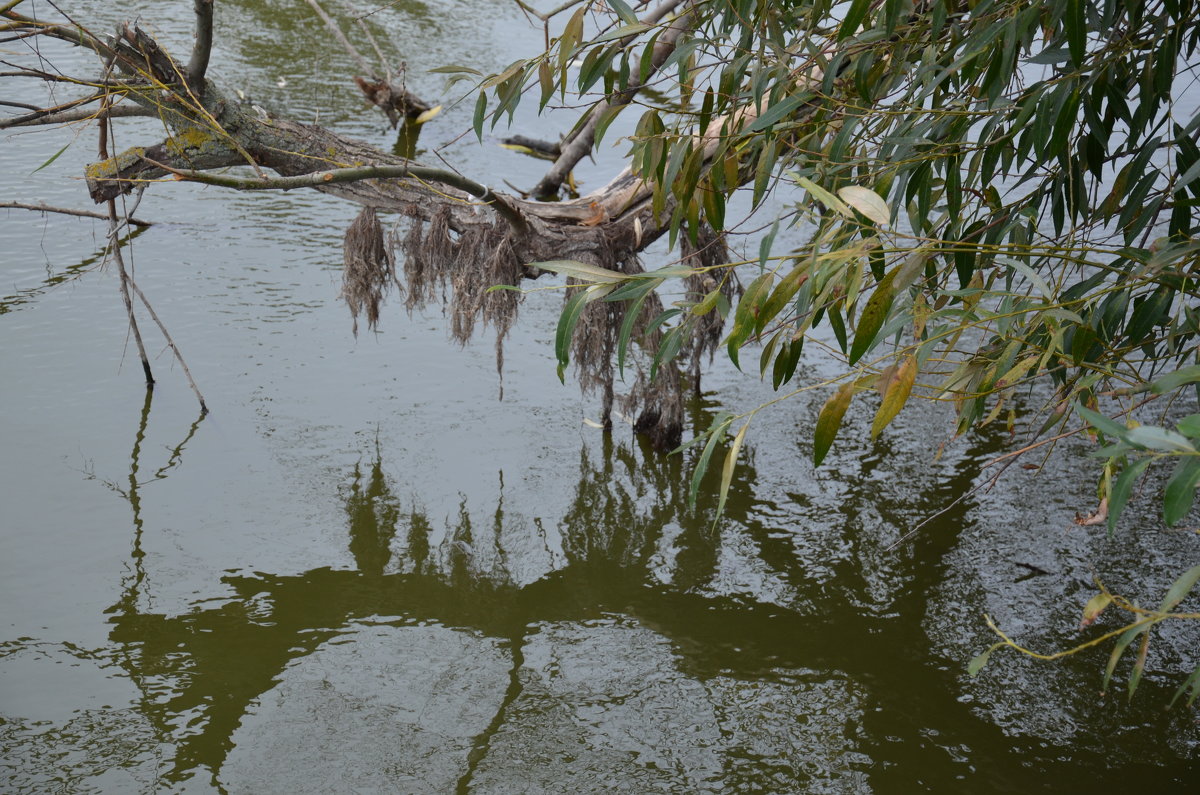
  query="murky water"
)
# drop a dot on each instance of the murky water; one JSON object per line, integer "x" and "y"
{"x": 363, "y": 572}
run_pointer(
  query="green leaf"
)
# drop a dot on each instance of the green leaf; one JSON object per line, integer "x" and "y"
{"x": 747, "y": 314}
{"x": 571, "y": 36}
{"x": 764, "y": 245}
{"x": 1101, "y": 423}
{"x": 668, "y": 348}
{"x": 978, "y": 661}
{"x": 1181, "y": 489}
{"x": 872, "y": 318}
{"x": 1189, "y": 426}
{"x": 1180, "y": 589}
{"x": 1076, "y": 29}
{"x": 631, "y": 315}
{"x": 1127, "y": 637}
{"x": 628, "y": 30}
{"x": 1172, "y": 381}
{"x": 829, "y": 420}
{"x": 1151, "y": 437}
{"x": 716, "y": 432}
{"x": 1139, "y": 665}
{"x": 455, "y": 69}
{"x": 480, "y": 114}
{"x": 1121, "y": 490}
{"x": 580, "y": 270}
{"x": 53, "y": 157}
{"x": 1193, "y": 681}
{"x": 623, "y": 11}
{"x": 567, "y": 321}
{"x": 779, "y": 110}
{"x": 853, "y": 19}
{"x": 824, "y": 197}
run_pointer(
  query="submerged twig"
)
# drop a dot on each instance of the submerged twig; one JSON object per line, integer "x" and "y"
{"x": 174, "y": 348}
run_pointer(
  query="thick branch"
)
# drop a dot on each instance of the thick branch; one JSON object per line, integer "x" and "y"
{"x": 580, "y": 144}
{"x": 317, "y": 179}
{"x": 202, "y": 49}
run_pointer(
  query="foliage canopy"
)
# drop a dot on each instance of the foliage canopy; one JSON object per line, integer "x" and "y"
{"x": 993, "y": 196}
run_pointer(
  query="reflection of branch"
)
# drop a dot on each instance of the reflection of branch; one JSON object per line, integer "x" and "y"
{"x": 333, "y": 27}
{"x": 70, "y": 273}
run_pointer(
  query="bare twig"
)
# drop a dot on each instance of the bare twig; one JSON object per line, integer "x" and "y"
{"x": 114, "y": 248}
{"x": 46, "y": 208}
{"x": 114, "y": 225}
{"x": 79, "y": 114}
{"x": 174, "y": 348}
{"x": 198, "y": 64}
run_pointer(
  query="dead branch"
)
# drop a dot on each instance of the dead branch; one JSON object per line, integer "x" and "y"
{"x": 46, "y": 208}
{"x": 356, "y": 174}
{"x": 579, "y": 145}
{"x": 198, "y": 64}
{"x": 80, "y": 114}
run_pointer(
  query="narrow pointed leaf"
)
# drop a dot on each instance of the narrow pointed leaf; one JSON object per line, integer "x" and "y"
{"x": 829, "y": 420}
{"x": 580, "y": 270}
{"x": 1193, "y": 682}
{"x": 1181, "y": 489}
{"x": 1180, "y": 589}
{"x": 1121, "y": 490}
{"x": 872, "y": 318}
{"x": 716, "y": 433}
{"x": 895, "y": 395}
{"x": 727, "y": 469}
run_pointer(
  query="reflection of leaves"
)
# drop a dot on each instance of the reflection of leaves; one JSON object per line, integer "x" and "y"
{"x": 373, "y": 514}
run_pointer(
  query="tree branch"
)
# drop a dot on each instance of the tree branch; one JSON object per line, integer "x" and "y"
{"x": 317, "y": 179}
{"x": 42, "y": 118}
{"x": 580, "y": 144}
{"x": 46, "y": 208}
{"x": 202, "y": 49}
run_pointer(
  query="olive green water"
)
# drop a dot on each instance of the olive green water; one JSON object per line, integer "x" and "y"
{"x": 364, "y": 573}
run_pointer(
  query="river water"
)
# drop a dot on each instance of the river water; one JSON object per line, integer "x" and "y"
{"x": 364, "y": 572}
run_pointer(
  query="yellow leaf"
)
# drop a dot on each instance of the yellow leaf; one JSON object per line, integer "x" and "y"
{"x": 895, "y": 394}
{"x": 429, "y": 114}
{"x": 1094, "y": 608}
{"x": 727, "y": 469}
{"x": 867, "y": 202}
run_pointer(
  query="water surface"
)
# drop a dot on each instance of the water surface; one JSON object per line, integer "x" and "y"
{"x": 364, "y": 572}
